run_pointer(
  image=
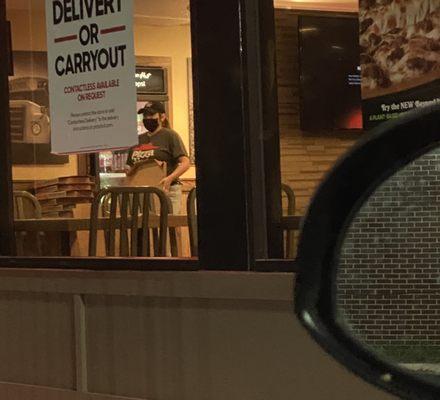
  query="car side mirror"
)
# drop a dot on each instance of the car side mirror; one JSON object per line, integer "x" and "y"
{"x": 368, "y": 288}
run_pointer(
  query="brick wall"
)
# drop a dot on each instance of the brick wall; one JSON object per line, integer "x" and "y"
{"x": 304, "y": 157}
{"x": 389, "y": 274}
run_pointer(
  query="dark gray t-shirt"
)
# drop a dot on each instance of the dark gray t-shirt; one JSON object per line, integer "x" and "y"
{"x": 165, "y": 145}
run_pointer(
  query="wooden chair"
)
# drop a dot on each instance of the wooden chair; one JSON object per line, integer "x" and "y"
{"x": 127, "y": 207}
{"x": 191, "y": 212}
{"x": 171, "y": 231}
{"x": 27, "y": 206}
{"x": 105, "y": 212}
{"x": 289, "y": 245}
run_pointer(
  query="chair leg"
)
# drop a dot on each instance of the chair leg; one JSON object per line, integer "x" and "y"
{"x": 290, "y": 243}
{"x": 40, "y": 241}
{"x": 107, "y": 241}
{"x": 155, "y": 233}
{"x": 173, "y": 242}
{"x": 20, "y": 238}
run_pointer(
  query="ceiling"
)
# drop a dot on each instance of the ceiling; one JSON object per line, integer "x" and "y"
{"x": 322, "y": 5}
{"x": 175, "y": 12}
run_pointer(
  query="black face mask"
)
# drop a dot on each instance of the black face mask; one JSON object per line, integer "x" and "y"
{"x": 151, "y": 124}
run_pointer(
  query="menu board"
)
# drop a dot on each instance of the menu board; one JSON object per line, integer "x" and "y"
{"x": 400, "y": 57}
{"x": 150, "y": 80}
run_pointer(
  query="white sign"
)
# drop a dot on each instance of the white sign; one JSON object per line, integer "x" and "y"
{"x": 91, "y": 75}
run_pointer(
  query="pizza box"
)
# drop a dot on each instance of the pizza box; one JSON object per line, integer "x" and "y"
{"x": 58, "y": 214}
{"x": 148, "y": 173}
{"x": 66, "y": 187}
{"x": 65, "y": 194}
{"x": 57, "y": 207}
{"x": 66, "y": 200}
{"x": 66, "y": 180}
{"x": 82, "y": 210}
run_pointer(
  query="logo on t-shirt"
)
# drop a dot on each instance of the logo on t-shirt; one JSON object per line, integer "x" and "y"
{"x": 143, "y": 152}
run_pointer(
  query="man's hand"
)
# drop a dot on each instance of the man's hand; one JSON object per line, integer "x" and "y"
{"x": 182, "y": 167}
{"x": 166, "y": 183}
{"x": 129, "y": 170}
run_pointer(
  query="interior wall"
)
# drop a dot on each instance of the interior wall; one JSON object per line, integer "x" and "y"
{"x": 29, "y": 33}
{"x": 174, "y": 42}
{"x": 305, "y": 157}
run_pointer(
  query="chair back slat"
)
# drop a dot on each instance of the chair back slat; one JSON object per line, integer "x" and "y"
{"x": 145, "y": 232}
{"x": 128, "y": 206}
{"x": 134, "y": 225}
{"x": 94, "y": 215}
{"x": 114, "y": 200}
{"x": 19, "y": 208}
{"x": 123, "y": 230}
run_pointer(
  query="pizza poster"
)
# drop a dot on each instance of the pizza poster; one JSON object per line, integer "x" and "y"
{"x": 400, "y": 57}
{"x": 91, "y": 66}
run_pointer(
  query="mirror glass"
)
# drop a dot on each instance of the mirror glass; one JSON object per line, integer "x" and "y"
{"x": 388, "y": 276}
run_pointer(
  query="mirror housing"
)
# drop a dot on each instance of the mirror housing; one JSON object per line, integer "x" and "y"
{"x": 354, "y": 178}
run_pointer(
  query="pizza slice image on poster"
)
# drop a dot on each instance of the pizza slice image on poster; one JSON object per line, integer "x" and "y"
{"x": 400, "y": 57}
{"x": 91, "y": 67}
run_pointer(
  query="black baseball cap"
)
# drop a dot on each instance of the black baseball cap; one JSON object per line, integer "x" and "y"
{"x": 151, "y": 108}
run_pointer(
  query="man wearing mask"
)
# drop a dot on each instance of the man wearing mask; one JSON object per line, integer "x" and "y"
{"x": 161, "y": 143}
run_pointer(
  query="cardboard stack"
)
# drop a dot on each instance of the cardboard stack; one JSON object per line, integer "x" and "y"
{"x": 58, "y": 197}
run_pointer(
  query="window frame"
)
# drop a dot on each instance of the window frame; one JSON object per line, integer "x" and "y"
{"x": 244, "y": 227}
{"x": 7, "y": 238}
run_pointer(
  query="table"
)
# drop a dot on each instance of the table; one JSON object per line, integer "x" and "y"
{"x": 66, "y": 226}
{"x": 83, "y": 224}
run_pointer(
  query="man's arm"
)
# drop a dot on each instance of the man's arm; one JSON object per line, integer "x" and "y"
{"x": 183, "y": 166}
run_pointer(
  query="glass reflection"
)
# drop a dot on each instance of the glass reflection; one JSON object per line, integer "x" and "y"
{"x": 388, "y": 280}
{"x": 52, "y": 192}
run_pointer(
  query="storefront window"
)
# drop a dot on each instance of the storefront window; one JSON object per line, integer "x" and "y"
{"x": 53, "y": 193}
{"x": 319, "y": 96}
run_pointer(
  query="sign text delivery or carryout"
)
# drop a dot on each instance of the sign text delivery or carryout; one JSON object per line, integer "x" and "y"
{"x": 68, "y": 11}
{"x": 71, "y": 10}
{"x": 91, "y": 67}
